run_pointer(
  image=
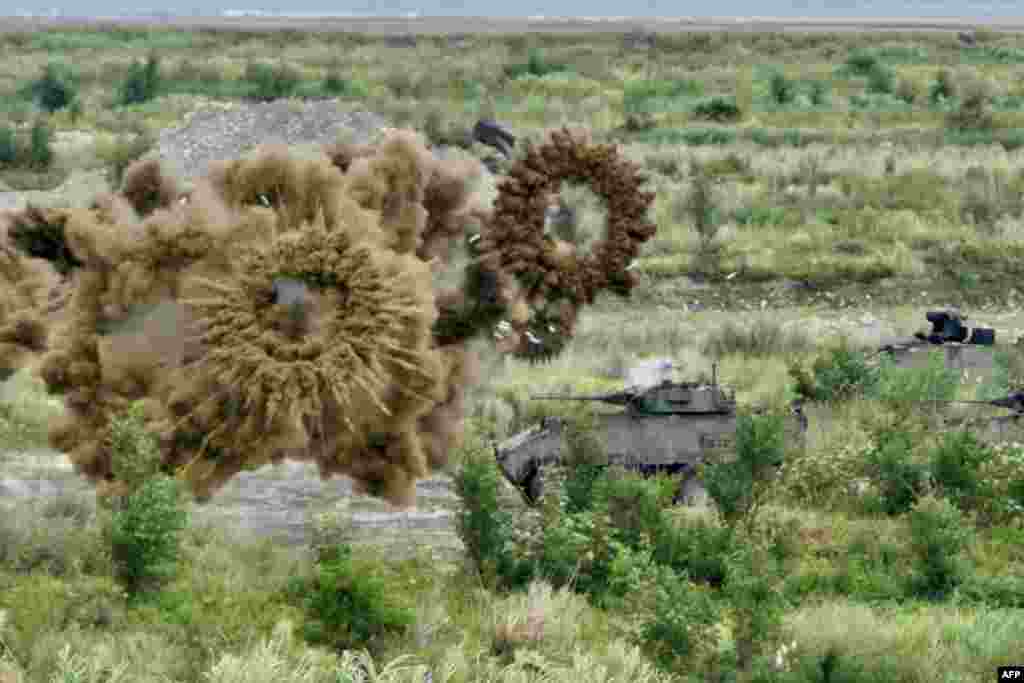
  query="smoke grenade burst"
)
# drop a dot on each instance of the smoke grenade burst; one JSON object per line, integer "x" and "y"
{"x": 288, "y": 308}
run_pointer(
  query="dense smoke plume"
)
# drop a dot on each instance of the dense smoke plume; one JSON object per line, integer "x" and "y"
{"x": 287, "y": 308}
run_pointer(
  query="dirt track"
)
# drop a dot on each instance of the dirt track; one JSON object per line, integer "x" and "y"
{"x": 472, "y": 25}
{"x": 275, "y": 501}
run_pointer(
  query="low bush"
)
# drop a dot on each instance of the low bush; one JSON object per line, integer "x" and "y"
{"x": 943, "y": 88}
{"x": 148, "y": 517}
{"x": 696, "y": 548}
{"x": 483, "y": 524}
{"x": 780, "y": 89}
{"x": 740, "y": 486}
{"x": 8, "y": 146}
{"x": 872, "y": 568}
{"x": 346, "y": 609}
{"x": 881, "y": 80}
{"x": 142, "y": 82}
{"x": 56, "y": 88}
{"x": 900, "y": 480}
{"x": 40, "y": 149}
{"x": 905, "y": 388}
{"x": 973, "y": 110}
{"x": 681, "y": 627}
{"x": 270, "y": 82}
{"x": 939, "y": 535}
{"x": 756, "y": 604}
{"x": 861, "y": 63}
{"x": 701, "y": 206}
{"x": 535, "y": 65}
{"x": 955, "y": 467}
{"x": 838, "y": 374}
{"x": 721, "y": 109}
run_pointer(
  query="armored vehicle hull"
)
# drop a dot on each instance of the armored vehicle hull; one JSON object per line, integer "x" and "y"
{"x": 978, "y": 360}
{"x": 673, "y": 444}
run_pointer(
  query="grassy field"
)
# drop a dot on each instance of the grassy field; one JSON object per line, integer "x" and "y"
{"x": 811, "y": 189}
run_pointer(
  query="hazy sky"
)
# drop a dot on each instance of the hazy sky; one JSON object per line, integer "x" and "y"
{"x": 639, "y": 8}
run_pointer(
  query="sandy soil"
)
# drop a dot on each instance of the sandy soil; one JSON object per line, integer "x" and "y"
{"x": 471, "y": 25}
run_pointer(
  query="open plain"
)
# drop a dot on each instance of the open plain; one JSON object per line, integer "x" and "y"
{"x": 819, "y": 185}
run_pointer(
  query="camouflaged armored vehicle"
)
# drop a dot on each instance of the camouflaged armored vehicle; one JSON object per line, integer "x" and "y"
{"x": 949, "y": 336}
{"x": 972, "y": 351}
{"x": 666, "y": 426}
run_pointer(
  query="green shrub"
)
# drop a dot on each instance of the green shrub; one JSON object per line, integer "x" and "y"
{"x": 721, "y": 109}
{"x": 1005, "y": 591}
{"x": 337, "y": 86}
{"x": 939, "y": 536}
{"x": 697, "y": 548}
{"x": 840, "y": 374}
{"x": 906, "y": 387}
{"x": 881, "y": 80}
{"x": 837, "y": 665}
{"x": 40, "y": 148}
{"x": 943, "y": 88}
{"x": 346, "y": 609}
{"x": 974, "y": 110}
{"x": 634, "y": 504}
{"x": 755, "y": 601}
{"x": 693, "y": 137}
{"x": 740, "y": 486}
{"x": 586, "y": 460}
{"x": 700, "y": 204}
{"x": 899, "y": 479}
{"x": 535, "y": 65}
{"x": 818, "y": 94}
{"x": 861, "y": 63}
{"x": 637, "y": 93}
{"x": 142, "y": 82}
{"x": 872, "y": 568}
{"x": 955, "y": 466}
{"x": 56, "y": 89}
{"x": 8, "y": 145}
{"x": 482, "y": 524}
{"x": 681, "y": 627}
{"x": 145, "y": 521}
{"x": 579, "y": 550}
{"x": 269, "y": 82}
{"x": 144, "y": 534}
{"x": 780, "y": 89}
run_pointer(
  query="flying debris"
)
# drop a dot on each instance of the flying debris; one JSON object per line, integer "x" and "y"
{"x": 315, "y": 330}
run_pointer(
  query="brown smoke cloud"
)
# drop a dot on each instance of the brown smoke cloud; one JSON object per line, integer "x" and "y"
{"x": 288, "y": 309}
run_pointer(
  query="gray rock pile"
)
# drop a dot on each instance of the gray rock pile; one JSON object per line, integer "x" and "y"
{"x": 229, "y": 131}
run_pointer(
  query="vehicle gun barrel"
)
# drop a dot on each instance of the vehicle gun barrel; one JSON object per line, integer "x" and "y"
{"x": 1014, "y": 401}
{"x": 619, "y": 398}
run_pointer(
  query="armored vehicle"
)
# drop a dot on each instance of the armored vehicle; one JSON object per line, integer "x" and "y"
{"x": 666, "y": 427}
{"x": 949, "y": 336}
{"x": 967, "y": 350}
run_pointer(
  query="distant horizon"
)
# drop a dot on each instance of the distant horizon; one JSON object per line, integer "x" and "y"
{"x": 785, "y": 11}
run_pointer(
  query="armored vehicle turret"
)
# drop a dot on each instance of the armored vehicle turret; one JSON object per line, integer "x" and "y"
{"x": 669, "y": 427}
